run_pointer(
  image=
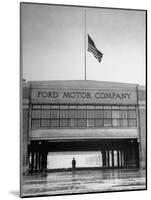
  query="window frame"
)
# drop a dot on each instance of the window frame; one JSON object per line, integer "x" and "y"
{"x": 99, "y": 113}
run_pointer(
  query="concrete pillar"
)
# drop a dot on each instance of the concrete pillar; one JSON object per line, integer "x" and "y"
{"x": 112, "y": 158}
{"x": 141, "y": 95}
{"x": 46, "y": 161}
{"x": 121, "y": 158}
{"x": 107, "y": 158}
{"x": 24, "y": 127}
{"x": 133, "y": 156}
{"x": 40, "y": 161}
{"x": 36, "y": 161}
{"x": 118, "y": 162}
{"x": 104, "y": 158}
{"x": 43, "y": 161}
{"x": 32, "y": 162}
{"x": 24, "y": 142}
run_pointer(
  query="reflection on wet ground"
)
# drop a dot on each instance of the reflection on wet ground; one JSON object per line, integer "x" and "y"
{"x": 83, "y": 181}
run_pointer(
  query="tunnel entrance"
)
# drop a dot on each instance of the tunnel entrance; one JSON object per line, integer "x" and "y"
{"x": 104, "y": 153}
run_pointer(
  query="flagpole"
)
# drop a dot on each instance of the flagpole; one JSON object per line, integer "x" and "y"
{"x": 85, "y": 40}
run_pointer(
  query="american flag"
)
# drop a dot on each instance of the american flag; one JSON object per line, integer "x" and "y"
{"x": 92, "y": 48}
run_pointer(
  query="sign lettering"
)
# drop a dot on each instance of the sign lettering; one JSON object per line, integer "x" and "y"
{"x": 83, "y": 95}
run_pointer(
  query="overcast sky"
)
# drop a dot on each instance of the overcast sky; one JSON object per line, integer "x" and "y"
{"x": 53, "y": 43}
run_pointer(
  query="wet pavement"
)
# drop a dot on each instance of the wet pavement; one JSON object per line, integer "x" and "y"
{"x": 83, "y": 181}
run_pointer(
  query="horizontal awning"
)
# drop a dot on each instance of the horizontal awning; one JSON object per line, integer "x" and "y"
{"x": 70, "y": 134}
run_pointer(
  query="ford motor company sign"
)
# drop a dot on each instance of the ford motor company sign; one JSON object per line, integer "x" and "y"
{"x": 83, "y": 95}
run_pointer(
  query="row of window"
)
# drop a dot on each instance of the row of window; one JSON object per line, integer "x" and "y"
{"x": 83, "y": 116}
{"x": 108, "y": 107}
{"x": 83, "y": 123}
{"x": 54, "y": 114}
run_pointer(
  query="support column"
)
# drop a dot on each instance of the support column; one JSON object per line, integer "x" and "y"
{"x": 104, "y": 158}
{"x": 141, "y": 121}
{"x": 118, "y": 163}
{"x": 39, "y": 161}
{"x": 133, "y": 157}
{"x": 36, "y": 161}
{"x": 112, "y": 158}
{"x": 45, "y": 161}
{"x": 107, "y": 158}
{"x": 32, "y": 162}
{"x": 122, "y": 158}
{"x": 41, "y": 167}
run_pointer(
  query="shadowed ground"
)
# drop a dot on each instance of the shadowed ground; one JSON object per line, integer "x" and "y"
{"x": 83, "y": 181}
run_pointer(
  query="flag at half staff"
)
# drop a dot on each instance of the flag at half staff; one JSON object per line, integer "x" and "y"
{"x": 92, "y": 48}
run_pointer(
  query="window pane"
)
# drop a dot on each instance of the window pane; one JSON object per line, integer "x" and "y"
{"x": 81, "y": 107}
{"x": 63, "y": 113}
{"x": 90, "y": 113}
{"x": 72, "y": 113}
{"x": 123, "y": 114}
{"x": 107, "y": 107}
{"x": 132, "y": 122}
{"x": 64, "y": 122}
{"x": 115, "y": 107}
{"x": 124, "y": 122}
{"x": 82, "y": 114}
{"x": 107, "y": 113}
{"x": 123, "y": 107}
{"x": 36, "y": 113}
{"x": 90, "y": 107}
{"x": 82, "y": 122}
{"x": 107, "y": 122}
{"x": 35, "y": 106}
{"x": 54, "y": 114}
{"x": 98, "y": 107}
{"x": 63, "y": 107}
{"x": 90, "y": 122}
{"x": 54, "y": 123}
{"x": 99, "y": 122}
{"x": 116, "y": 122}
{"x": 35, "y": 123}
{"x": 72, "y": 106}
{"x": 45, "y": 114}
{"x": 131, "y": 107}
{"x": 45, "y": 106}
{"x": 115, "y": 114}
{"x": 54, "y": 106}
{"x": 73, "y": 123}
{"x": 98, "y": 113}
{"x": 132, "y": 114}
{"x": 45, "y": 123}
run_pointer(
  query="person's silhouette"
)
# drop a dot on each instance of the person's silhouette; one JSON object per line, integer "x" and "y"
{"x": 73, "y": 164}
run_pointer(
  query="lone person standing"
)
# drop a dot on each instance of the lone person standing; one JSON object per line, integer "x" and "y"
{"x": 73, "y": 164}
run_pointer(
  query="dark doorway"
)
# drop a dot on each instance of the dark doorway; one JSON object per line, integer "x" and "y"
{"x": 114, "y": 153}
